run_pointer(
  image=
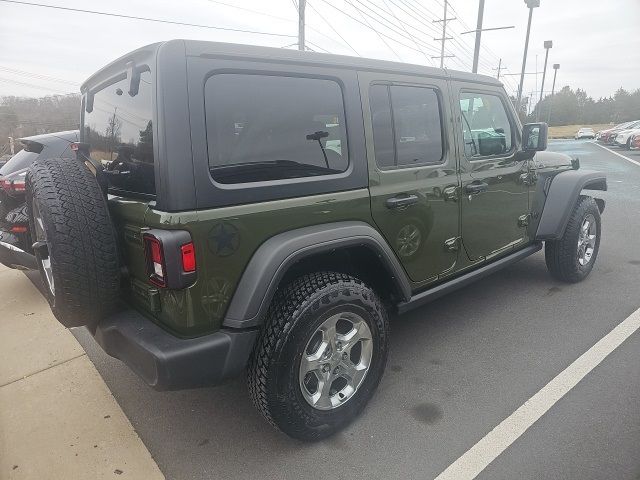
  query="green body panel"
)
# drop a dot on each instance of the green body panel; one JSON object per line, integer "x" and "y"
{"x": 445, "y": 233}
{"x": 417, "y": 233}
{"x": 225, "y": 240}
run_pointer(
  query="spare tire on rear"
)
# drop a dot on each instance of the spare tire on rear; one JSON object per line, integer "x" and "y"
{"x": 74, "y": 241}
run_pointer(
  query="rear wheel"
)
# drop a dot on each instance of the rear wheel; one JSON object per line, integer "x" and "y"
{"x": 321, "y": 355}
{"x": 572, "y": 257}
{"x": 75, "y": 244}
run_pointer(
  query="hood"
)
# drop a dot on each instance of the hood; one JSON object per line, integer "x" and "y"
{"x": 552, "y": 160}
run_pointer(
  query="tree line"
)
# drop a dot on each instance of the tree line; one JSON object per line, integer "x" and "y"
{"x": 26, "y": 116}
{"x": 575, "y": 107}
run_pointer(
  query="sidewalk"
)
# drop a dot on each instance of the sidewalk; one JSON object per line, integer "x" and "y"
{"x": 58, "y": 420}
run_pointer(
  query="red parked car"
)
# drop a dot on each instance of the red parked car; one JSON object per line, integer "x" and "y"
{"x": 635, "y": 142}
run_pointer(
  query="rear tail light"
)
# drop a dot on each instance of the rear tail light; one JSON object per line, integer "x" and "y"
{"x": 170, "y": 258}
{"x": 13, "y": 186}
{"x": 18, "y": 185}
{"x": 155, "y": 261}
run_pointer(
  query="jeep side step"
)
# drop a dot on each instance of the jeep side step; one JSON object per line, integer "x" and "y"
{"x": 438, "y": 291}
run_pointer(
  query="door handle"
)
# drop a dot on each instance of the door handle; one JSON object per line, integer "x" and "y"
{"x": 475, "y": 188}
{"x": 450, "y": 193}
{"x": 402, "y": 201}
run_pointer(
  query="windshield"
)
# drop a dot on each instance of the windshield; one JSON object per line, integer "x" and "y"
{"x": 119, "y": 130}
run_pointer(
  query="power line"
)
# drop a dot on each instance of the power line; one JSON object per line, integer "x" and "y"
{"x": 318, "y": 47}
{"x": 146, "y": 19}
{"x": 402, "y": 25}
{"x": 269, "y": 15}
{"x": 375, "y": 16}
{"x": 31, "y": 85}
{"x": 39, "y": 76}
{"x": 367, "y": 24}
{"x": 421, "y": 17}
{"x": 380, "y": 34}
{"x": 332, "y": 27}
{"x": 405, "y": 29}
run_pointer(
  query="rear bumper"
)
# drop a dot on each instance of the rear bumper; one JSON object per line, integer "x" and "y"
{"x": 166, "y": 362}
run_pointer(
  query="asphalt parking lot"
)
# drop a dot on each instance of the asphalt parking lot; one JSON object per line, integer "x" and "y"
{"x": 458, "y": 367}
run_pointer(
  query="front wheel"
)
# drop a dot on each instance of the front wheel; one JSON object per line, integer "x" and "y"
{"x": 321, "y": 355}
{"x": 571, "y": 258}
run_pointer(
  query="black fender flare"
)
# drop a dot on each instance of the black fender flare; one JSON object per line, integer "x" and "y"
{"x": 561, "y": 197}
{"x": 273, "y": 258}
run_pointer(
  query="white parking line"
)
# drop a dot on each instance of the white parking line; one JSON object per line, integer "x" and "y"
{"x": 618, "y": 154}
{"x": 471, "y": 463}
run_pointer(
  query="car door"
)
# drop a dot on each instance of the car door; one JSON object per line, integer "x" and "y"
{"x": 412, "y": 170}
{"x": 494, "y": 179}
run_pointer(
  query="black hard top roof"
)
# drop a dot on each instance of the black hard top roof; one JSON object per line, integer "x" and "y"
{"x": 197, "y": 48}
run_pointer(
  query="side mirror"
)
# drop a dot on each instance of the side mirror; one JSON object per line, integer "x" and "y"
{"x": 534, "y": 137}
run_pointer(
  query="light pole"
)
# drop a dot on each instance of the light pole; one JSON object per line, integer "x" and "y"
{"x": 556, "y": 67}
{"x": 531, "y": 4}
{"x": 547, "y": 45}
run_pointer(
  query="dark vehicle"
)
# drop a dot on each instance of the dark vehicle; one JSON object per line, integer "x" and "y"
{"x": 15, "y": 238}
{"x": 238, "y": 207}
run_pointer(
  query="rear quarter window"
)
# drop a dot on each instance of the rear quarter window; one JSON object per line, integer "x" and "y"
{"x": 119, "y": 130}
{"x": 269, "y": 127}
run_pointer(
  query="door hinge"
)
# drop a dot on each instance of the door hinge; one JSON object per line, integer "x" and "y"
{"x": 523, "y": 220}
{"x": 452, "y": 244}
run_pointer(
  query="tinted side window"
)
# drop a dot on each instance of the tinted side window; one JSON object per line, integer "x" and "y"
{"x": 417, "y": 126}
{"x": 407, "y": 125}
{"x": 485, "y": 125}
{"x": 263, "y": 127}
{"x": 119, "y": 131}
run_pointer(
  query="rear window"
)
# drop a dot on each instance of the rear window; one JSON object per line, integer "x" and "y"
{"x": 119, "y": 131}
{"x": 264, "y": 127}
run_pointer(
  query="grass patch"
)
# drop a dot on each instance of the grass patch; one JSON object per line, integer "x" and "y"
{"x": 568, "y": 131}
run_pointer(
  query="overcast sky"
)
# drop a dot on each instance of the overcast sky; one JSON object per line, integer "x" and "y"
{"x": 596, "y": 42}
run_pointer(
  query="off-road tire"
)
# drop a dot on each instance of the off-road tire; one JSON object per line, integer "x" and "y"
{"x": 80, "y": 238}
{"x": 561, "y": 255}
{"x": 293, "y": 316}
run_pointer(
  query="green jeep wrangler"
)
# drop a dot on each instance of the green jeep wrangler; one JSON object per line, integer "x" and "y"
{"x": 237, "y": 207}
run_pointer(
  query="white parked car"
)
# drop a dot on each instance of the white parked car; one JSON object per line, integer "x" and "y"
{"x": 623, "y": 139}
{"x": 585, "y": 133}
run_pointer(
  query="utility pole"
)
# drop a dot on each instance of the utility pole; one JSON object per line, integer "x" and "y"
{"x": 500, "y": 68}
{"x": 531, "y": 4}
{"x": 444, "y": 34}
{"x": 476, "y": 50}
{"x": 478, "y": 31}
{"x": 547, "y": 45}
{"x": 556, "y": 67}
{"x": 301, "y": 5}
